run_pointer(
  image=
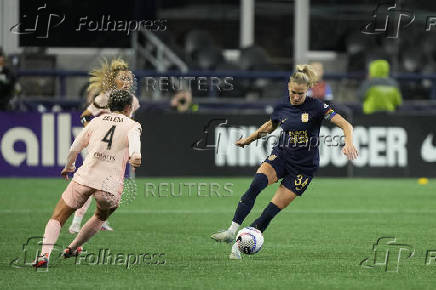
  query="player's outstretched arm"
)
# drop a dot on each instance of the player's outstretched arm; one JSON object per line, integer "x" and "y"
{"x": 266, "y": 128}
{"x": 70, "y": 166}
{"x": 81, "y": 141}
{"x": 134, "y": 136}
{"x": 349, "y": 150}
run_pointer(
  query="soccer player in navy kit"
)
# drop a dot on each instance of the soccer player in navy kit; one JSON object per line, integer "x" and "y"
{"x": 294, "y": 159}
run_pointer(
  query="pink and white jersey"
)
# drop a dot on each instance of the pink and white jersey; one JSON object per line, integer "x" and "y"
{"x": 110, "y": 140}
{"x": 100, "y": 104}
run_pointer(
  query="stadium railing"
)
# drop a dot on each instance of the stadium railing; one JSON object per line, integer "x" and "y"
{"x": 216, "y": 103}
{"x": 62, "y": 75}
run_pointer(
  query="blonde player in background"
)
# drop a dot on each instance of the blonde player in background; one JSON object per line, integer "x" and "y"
{"x": 112, "y": 140}
{"x": 104, "y": 80}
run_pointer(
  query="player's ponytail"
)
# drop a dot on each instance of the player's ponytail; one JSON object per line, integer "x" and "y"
{"x": 304, "y": 73}
{"x": 103, "y": 79}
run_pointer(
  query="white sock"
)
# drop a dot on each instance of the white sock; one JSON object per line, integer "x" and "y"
{"x": 77, "y": 220}
{"x": 234, "y": 227}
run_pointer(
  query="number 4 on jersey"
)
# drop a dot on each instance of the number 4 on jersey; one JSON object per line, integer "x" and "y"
{"x": 108, "y": 137}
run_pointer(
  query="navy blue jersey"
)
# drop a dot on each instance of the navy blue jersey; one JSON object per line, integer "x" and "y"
{"x": 298, "y": 145}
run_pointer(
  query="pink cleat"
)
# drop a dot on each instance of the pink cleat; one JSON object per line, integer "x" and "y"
{"x": 68, "y": 252}
{"x": 41, "y": 261}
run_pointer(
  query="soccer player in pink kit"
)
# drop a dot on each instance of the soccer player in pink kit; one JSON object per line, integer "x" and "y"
{"x": 103, "y": 81}
{"x": 112, "y": 140}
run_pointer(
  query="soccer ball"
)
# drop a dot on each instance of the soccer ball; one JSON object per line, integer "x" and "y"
{"x": 249, "y": 240}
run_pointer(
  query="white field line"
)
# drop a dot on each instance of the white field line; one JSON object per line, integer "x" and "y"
{"x": 289, "y": 211}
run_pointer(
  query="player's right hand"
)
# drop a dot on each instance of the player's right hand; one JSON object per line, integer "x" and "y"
{"x": 350, "y": 151}
{"x": 135, "y": 160}
{"x": 242, "y": 142}
{"x": 65, "y": 171}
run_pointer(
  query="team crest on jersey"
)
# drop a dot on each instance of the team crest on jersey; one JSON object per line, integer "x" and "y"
{"x": 272, "y": 157}
{"x": 304, "y": 117}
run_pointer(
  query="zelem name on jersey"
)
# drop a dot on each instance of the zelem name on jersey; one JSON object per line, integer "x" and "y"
{"x": 113, "y": 119}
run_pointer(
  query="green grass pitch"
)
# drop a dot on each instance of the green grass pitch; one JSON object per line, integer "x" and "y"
{"x": 316, "y": 243}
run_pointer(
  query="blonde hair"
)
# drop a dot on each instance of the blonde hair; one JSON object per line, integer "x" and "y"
{"x": 103, "y": 78}
{"x": 304, "y": 74}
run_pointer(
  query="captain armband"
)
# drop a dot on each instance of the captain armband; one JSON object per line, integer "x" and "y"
{"x": 329, "y": 114}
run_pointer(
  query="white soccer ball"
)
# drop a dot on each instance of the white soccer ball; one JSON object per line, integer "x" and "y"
{"x": 250, "y": 240}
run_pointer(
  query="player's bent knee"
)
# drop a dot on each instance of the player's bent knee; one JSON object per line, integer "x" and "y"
{"x": 283, "y": 197}
{"x": 62, "y": 212}
{"x": 269, "y": 171}
{"x": 61, "y": 219}
{"x": 287, "y": 193}
{"x": 103, "y": 214}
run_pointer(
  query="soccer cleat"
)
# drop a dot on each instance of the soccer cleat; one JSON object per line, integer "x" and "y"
{"x": 106, "y": 227}
{"x": 68, "y": 252}
{"x": 235, "y": 254}
{"x": 224, "y": 236}
{"x": 74, "y": 228}
{"x": 41, "y": 261}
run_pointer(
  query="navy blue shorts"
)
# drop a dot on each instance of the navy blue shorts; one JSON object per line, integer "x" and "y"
{"x": 293, "y": 178}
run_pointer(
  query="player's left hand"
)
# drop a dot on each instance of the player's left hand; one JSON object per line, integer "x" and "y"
{"x": 350, "y": 151}
{"x": 243, "y": 142}
{"x": 65, "y": 171}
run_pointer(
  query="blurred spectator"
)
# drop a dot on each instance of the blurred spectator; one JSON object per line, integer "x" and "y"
{"x": 7, "y": 84}
{"x": 379, "y": 92}
{"x": 321, "y": 90}
{"x": 182, "y": 101}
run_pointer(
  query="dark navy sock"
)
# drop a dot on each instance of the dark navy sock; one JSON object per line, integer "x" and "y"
{"x": 247, "y": 200}
{"x": 267, "y": 215}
